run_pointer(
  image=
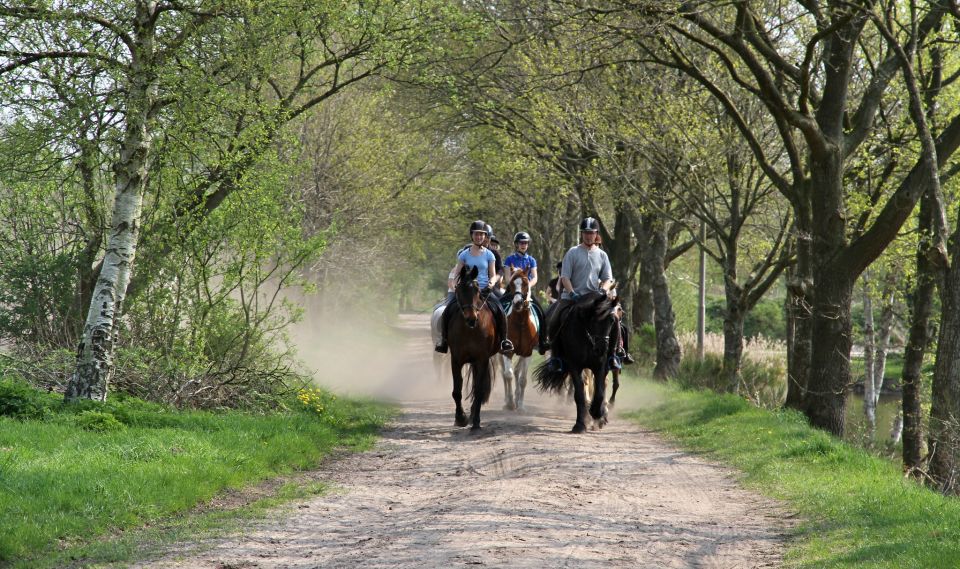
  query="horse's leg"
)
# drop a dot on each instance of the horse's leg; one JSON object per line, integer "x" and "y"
{"x": 616, "y": 385}
{"x": 459, "y": 417}
{"x": 598, "y": 405}
{"x": 481, "y": 376}
{"x": 520, "y": 379}
{"x": 509, "y": 376}
{"x": 580, "y": 398}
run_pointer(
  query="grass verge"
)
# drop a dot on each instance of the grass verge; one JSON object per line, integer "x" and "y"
{"x": 857, "y": 509}
{"x": 72, "y": 476}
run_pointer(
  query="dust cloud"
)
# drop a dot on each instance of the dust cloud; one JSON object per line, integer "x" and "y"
{"x": 391, "y": 357}
{"x": 357, "y": 354}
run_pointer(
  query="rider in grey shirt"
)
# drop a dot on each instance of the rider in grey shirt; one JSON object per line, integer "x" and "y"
{"x": 586, "y": 268}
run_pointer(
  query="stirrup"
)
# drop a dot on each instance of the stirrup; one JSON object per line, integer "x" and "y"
{"x": 628, "y": 359}
{"x": 506, "y": 347}
{"x": 615, "y": 362}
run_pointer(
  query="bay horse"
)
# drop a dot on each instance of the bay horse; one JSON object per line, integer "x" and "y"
{"x": 472, "y": 339}
{"x": 522, "y": 331}
{"x": 587, "y": 339}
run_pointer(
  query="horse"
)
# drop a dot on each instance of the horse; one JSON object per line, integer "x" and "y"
{"x": 522, "y": 331}
{"x": 587, "y": 338}
{"x": 472, "y": 339}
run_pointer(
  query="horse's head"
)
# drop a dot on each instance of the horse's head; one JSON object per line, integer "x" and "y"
{"x": 599, "y": 318}
{"x": 467, "y": 293}
{"x": 519, "y": 290}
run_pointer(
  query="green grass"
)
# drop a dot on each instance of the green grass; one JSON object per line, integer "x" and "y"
{"x": 75, "y": 476}
{"x": 858, "y": 510}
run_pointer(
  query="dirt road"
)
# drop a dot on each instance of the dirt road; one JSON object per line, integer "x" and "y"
{"x": 521, "y": 493}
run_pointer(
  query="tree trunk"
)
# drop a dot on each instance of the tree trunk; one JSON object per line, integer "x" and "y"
{"x": 735, "y": 310}
{"x": 921, "y": 307}
{"x": 869, "y": 345}
{"x": 94, "y": 369}
{"x": 642, "y": 312}
{"x": 799, "y": 346}
{"x": 668, "y": 347}
{"x": 733, "y": 342}
{"x": 945, "y": 392}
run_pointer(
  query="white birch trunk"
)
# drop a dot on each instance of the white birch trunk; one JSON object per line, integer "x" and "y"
{"x": 883, "y": 343}
{"x": 869, "y": 343}
{"x": 94, "y": 370}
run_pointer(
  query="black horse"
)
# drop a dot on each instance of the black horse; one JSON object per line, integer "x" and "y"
{"x": 587, "y": 339}
{"x": 472, "y": 336}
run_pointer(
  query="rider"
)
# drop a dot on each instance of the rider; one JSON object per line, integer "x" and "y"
{"x": 586, "y": 269}
{"x": 476, "y": 255}
{"x": 488, "y": 242}
{"x": 521, "y": 260}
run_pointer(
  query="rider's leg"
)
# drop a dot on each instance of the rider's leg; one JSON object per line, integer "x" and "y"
{"x": 445, "y": 323}
{"x": 500, "y": 322}
{"x": 625, "y": 343}
{"x": 542, "y": 345}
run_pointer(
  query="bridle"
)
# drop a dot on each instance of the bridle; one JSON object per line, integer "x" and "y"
{"x": 475, "y": 306}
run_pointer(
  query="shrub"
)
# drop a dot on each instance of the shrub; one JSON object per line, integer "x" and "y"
{"x": 21, "y": 401}
{"x": 99, "y": 421}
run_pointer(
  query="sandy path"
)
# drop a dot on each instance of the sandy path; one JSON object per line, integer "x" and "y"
{"x": 521, "y": 493}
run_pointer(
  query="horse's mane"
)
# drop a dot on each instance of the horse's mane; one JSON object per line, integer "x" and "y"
{"x": 590, "y": 308}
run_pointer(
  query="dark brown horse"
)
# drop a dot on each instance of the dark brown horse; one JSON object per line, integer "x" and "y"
{"x": 472, "y": 337}
{"x": 522, "y": 331}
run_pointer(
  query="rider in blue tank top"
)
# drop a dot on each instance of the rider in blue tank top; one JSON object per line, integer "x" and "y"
{"x": 476, "y": 255}
{"x": 481, "y": 262}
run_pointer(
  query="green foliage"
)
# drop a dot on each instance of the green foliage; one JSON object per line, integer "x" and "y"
{"x": 39, "y": 264}
{"x": 21, "y": 401}
{"x": 766, "y": 319}
{"x": 98, "y": 421}
{"x": 137, "y": 463}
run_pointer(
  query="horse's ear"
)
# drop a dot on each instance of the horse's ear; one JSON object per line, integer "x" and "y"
{"x": 473, "y": 273}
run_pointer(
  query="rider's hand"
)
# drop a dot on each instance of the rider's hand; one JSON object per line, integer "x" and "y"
{"x": 574, "y": 296}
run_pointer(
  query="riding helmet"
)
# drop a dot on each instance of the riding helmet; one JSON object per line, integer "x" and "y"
{"x": 589, "y": 224}
{"x": 493, "y": 239}
{"x": 489, "y": 229}
{"x": 479, "y": 225}
{"x": 521, "y": 236}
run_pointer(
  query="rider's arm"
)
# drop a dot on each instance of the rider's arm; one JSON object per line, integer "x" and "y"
{"x": 532, "y": 275}
{"x": 494, "y": 277}
{"x": 566, "y": 285}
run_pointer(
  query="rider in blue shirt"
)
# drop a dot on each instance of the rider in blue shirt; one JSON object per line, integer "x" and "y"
{"x": 476, "y": 255}
{"x": 521, "y": 260}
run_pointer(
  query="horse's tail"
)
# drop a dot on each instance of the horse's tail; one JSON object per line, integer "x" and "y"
{"x": 549, "y": 380}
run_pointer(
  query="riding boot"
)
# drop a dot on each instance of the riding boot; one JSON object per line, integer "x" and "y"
{"x": 500, "y": 323}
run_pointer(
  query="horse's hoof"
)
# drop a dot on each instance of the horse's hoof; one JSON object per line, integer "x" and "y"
{"x": 474, "y": 428}
{"x": 460, "y": 421}
{"x": 578, "y": 429}
{"x": 509, "y": 407}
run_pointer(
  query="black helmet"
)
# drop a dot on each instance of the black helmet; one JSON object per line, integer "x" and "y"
{"x": 493, "y": 239}
{"x": 479, "y": 225}
{"x": 521, "y": 236}
{"x": 589, "y": 224}
{"x": 489, "y": 229}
